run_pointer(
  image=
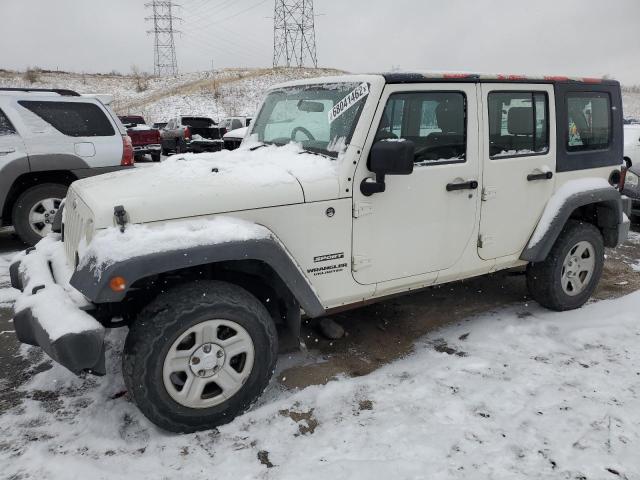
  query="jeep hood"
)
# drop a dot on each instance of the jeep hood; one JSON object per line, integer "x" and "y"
{"x": 191, "y": 185}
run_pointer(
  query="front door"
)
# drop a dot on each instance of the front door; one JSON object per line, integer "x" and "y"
{"x": 519, "y": 164}
{"x": 423, "y": 221}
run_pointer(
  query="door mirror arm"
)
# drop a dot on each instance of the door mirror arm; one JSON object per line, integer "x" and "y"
{"x": 387, "y": 158}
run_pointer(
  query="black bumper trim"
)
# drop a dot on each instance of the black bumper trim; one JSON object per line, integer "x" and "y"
{"x": 79, "y": 352}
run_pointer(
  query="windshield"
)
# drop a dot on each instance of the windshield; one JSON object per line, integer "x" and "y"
{"x": 321, "y": 118}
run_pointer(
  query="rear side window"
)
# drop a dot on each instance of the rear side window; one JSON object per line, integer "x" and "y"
{"x": 518, "y": 124}
{"x": 434, "y": 121}
{"x": 235, "y": 123}
{"x": 71, "y": 118}
{"x": 6, "y": 128}
{"x": 589, "y": 115}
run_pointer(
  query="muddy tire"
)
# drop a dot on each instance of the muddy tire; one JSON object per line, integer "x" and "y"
{"x": 35, "y": 209}
{"x": 568, "y": 276}
{"x": 199, "y": 355}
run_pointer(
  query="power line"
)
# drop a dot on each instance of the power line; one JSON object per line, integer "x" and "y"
{"x": 165, "y": 62}
{"x": 294, "y": 34}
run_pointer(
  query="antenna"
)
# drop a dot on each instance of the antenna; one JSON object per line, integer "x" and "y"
{"x": 294, "y": 34}
{"x": 165, "y": 63}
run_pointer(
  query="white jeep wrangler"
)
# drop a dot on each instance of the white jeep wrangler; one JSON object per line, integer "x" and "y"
{"x": 347, "y": 190}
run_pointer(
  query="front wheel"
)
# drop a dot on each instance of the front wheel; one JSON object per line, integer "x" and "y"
{"x": 199, "y": 355}
{"x": 567, "y": 278}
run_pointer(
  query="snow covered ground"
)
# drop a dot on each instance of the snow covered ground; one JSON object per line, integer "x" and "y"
{"x": 514, "y": 393}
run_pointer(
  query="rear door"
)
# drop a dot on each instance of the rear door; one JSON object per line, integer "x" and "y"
{"x": 13, "y": 157}
{"x": 519, "y": 157}
{"x": 77, "y": 128}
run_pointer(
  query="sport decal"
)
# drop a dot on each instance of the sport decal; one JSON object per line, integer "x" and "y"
{"x": 349, "y": 101}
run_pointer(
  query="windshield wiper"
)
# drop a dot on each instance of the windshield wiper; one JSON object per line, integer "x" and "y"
{"x": 262, "y": 144}
{"x": 323, "y": 155}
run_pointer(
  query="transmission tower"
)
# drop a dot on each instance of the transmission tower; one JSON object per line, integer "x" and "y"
{"x": 294, "y": 34}
{"x": 165, "y": 62}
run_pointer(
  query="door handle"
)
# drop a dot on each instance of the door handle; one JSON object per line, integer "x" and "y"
{"x": 539, "y": 176}
{"x": 470, "y": 185}
{"x": 5, "y": 151}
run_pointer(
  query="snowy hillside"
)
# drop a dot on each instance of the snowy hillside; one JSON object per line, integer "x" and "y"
{"x": 631, "y": 102}
{"x": 227, "y": 92}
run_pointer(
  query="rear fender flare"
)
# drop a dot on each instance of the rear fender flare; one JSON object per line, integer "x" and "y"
{"x": 610, "y": 218}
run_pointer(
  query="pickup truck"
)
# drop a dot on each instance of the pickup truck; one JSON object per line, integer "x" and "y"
{"x": 146, "y": 140}
{"x": 191, "y": 134}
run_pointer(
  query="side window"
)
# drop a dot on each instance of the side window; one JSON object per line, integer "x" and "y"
{"x": 518, "y": 124}
{"x": 235, "y": 123}
{"x": 589, "y": 116}
{"x": 71, "y": 118}
{"x": 434, "y": 121}
{"x": 6, "y": 128}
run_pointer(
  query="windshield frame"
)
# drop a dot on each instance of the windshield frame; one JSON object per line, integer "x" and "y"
{"x": 359, "y": 105}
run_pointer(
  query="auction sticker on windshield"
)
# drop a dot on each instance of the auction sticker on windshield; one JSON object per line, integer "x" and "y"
{"x": 349, "y": 101}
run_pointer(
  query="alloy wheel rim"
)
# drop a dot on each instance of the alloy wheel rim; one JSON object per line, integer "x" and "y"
{"x": 41, "y": 215}
{"x": 208, "y": 363}
{"x": 578, "y": 268}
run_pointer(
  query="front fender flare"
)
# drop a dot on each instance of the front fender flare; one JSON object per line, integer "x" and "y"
{"x": 268, "y": 250}
{"x": 545, "y": 235}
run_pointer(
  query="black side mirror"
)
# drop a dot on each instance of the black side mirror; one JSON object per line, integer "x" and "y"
{"x": 388, "y": 157}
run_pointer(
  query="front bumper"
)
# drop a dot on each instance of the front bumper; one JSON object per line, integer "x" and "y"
{"x": 49, "y": 315}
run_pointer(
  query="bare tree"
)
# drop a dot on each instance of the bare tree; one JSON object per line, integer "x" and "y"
{"x": 32, "y": 74}
{"x": 141, "y": 79}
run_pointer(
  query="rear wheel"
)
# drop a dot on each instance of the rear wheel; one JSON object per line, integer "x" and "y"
{"x": 199, "y": 355}
{"x": 568, "y": 276}
{"x": 35, "y": 209}
{"x": 155, "y": 157}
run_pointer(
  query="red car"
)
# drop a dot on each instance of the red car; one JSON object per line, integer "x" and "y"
{"x": 146, "y": 140}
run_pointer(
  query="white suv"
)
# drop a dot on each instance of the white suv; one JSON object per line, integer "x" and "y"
{"x": 347, "y": 190}
{"x": 48, "y": 139}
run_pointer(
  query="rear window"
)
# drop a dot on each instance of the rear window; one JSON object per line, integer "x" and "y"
{"x": 589, "y": 115}
{"x": 73, "y": 119}
{"x": 6, "y": 128}
{"x": 197, "y": 122}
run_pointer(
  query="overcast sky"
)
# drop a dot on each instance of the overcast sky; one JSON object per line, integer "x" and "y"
{"x": 591, "y": 37}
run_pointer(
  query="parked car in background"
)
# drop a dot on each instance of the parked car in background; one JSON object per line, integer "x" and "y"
{"x": 48, "y": 139}
{"x": 233, "y": 139}
{"x": 233, "y": 123}
{"x": 146, "y": 140}
{"x": 632, "y": 153}
{"x": 191, "y": 134}
{"x": 159, "y": 125}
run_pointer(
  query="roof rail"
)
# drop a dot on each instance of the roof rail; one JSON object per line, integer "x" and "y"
{"x": 59, "y": 91}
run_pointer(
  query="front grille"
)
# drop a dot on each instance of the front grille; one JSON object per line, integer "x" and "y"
{"x": 76, "y": 216}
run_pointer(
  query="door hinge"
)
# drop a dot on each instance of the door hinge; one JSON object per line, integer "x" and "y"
{"x": 484, "y": 241}
{"x": 488, "y": 193}
{"x": 360, "y": 209}
{"x": 359, "y": 262}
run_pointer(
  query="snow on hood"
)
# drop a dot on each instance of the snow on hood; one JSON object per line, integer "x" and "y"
{"x": 110, "y": 245}
{"x": 190, "y": 185}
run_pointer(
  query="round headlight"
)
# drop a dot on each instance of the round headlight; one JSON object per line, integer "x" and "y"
{"x": 631, "y": 180}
